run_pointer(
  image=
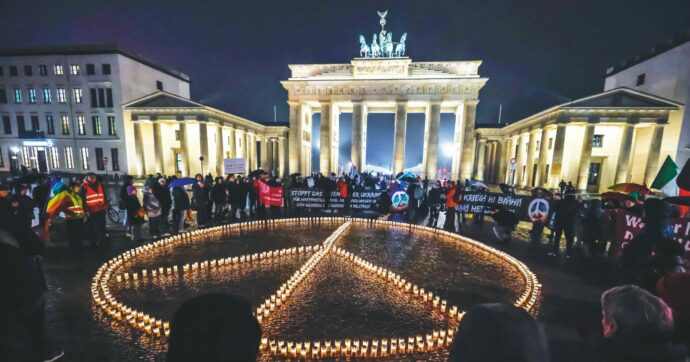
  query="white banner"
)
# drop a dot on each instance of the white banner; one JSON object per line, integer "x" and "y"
{"x": 233, "y": 165}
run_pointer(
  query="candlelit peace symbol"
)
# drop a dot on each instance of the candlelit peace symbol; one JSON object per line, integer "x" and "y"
{"x": 112, "y": 271}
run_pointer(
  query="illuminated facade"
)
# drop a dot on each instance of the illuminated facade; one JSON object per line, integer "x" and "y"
{"x": 594, "y": 142}
{"x": 61, "y": 107}
{"x": 666, "y": 73}
{"x": 169, "y": 134}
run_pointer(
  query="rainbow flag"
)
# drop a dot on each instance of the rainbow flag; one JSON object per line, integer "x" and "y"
{"x": 54, "y": 204}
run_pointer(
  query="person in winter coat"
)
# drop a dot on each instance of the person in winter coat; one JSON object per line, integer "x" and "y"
{"x": 128, "y": 181}
{"x": 219, "y": 196}
{"x": 22, "y": 286}
{"x": 506, "y": 222}
{"x": 25, "y": 205}
{"x": 180, "y": 206}
{"x": 200, "y": 201}
{"x": 435, "y": 199}
{"x": 135, "y": 213}
{"x": 71, "y": 203}
{"x": 162, "y": 193}
{"x": 637, "y": 327}
{"x": 451, "y": 204}
{"x": 154, "y": 213}
{"x": 565, "y": 212}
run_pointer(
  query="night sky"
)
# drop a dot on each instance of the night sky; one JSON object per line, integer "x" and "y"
{"x": 536, "y": 53}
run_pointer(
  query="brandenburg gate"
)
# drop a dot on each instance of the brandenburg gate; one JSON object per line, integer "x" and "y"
{"x": 382, "y": 80}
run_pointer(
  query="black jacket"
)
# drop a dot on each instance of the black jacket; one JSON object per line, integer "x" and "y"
{"x": 163, "y": 195}
{"x": 180, "y": 199}
{"x": 133, "y": 206}
{"x": 218, "y": 194}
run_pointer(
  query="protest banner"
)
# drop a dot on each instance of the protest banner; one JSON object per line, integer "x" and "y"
{"x": 316, "y": 199}
{"x": 525, "y": 207}
{"x": 629, "y": 224}
{"x": 233, "y": 165}
{"x": 271, "y": 195}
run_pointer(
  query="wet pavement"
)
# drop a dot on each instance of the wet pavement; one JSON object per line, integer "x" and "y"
{"x": 569, "y": 309}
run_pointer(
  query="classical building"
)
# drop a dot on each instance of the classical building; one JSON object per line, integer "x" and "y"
{"x": 61, "y": 107}
{"x": 169, "y": 134}
{"x": 594, "y": 142}
{"x": 383, "y": 80}
{"x": 665, "y": 72}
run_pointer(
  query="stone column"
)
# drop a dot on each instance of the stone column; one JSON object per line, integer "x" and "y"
{"x": 282, "y": 157}
{"x": 519, "y": 176}
{"x": 249, "y": 146}
{"x": 326, "y": 138}
{"x": 264, "y": 153}
{"x": 232, "y": 142}
{"x": 585, "y": 157}
{"x": 557, "y": 159}
{"x": 467, "y": 159}
{"x": 653, "y": 154}
{"x": 457, "y": 141}
{"x": 543, "y": 157}
{"x": 269, "y": 155}
{"x": 203, "y": 143}
{"x": 624, "y": 152}
{"x": 139, "y": 144}
{"x": 531, "y": 148}
{"x": 359, "y": 135}
{"x": 158, "y": 146}
{"x": 432, "y": 123}
{"x": 295, "y": 137}
{"x": 219, "y": 150}
{"x": 335, "y": 137}
{"x": 399, "y": 137}
{"x": 242, "y": 144}
{"x": 501, "y": 163}
{"x": 481, "y": 155}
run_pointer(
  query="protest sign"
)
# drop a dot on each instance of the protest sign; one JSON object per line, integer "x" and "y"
{"x": 316, "y": 199}
{"x": 629, "y": 224}
{"x": 233, "y": 165}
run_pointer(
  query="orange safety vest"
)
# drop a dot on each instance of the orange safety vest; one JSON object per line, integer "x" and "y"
{"x": 95, "y": 199}
{"x": 450, "y": 196}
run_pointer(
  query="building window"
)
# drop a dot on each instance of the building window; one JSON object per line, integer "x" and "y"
{"x": 43, "y": 69}
{"x": 159, "y": 85}
{"x": 90, "y": 69}
{"x": 179, "y": 162}
{"x": 54, "y": 158}
{"x": 74, "y": 69}
{"x": 112, "y": 131}
{"x": 96, "y": 120}
{"x": 101, "y": 97}
{"x": 3, "y": 96}
{"x": 32, "y": 95}
{"x": 26, "y": 156}
{"x": 536, "y": 149}
{"x": 6, "y": 124}
{"x": 105, "y": 68}
{"x": 28, "y": 71}
{"x": 2, "y": 161}
{"x": 13, "y": 70}
{"x": 551, "y": 143}
{"x": 65, "y": 124}
{"x": 640, "y": 80}
{"x": 115, "y": 159}
{"x": 35, "y": 126}
{"x": 81, "y": 125}
{"x": 546, "y": 173}
{"x": 69, "y": 157}
{"x": 598, "y": 141}
{"x": 17, "y": 96}
{"x": 58, "y": 69}
{"x": 47, "y": 96}
{"x": 50, "y": 125}
{"x": 109, "y": 97}
{"x": 100, "y": 166}
{"x": 21, "y": 127}
{"x": 93, "y": 97}
{"x": 61, "y": 95}
{"x": 77, "y": 95}
{"x": 177, "y": 135}
{"x": 84, "y": 154}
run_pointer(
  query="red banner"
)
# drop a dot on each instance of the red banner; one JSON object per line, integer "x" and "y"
{"x": 629, "y": 224}
{"x": 270, "y": 195}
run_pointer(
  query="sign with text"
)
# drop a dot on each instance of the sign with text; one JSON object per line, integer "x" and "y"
{"x": 316, "y": 199}
{"x": 233, "y": 165}
{"x": 525, "y": 207}
{"x": 629, "y": 224}
{"x": 270, "y": 195}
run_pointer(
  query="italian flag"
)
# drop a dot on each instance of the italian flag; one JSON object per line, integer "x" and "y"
{"x": 665, "y": 180}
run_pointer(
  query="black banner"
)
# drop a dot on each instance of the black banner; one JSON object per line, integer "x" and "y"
{"x": 315, "y": 199}
{"x": 523, "y": 206}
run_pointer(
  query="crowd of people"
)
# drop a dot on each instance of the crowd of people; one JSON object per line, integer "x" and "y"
{"x": 646, "y": 318}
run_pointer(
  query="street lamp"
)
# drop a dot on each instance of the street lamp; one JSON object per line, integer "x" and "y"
{"x": 201, "y": 163}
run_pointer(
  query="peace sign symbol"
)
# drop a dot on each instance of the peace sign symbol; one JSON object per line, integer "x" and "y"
{"x": 113, "y": 272}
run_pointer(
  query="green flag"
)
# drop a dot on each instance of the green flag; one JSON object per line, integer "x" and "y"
{"x": 667, "y": 173}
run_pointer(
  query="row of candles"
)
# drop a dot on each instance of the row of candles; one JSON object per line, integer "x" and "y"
{"x": 377, "y": 347}
{"x": 214, "y": 264}
{"x": 100, "y": 290}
